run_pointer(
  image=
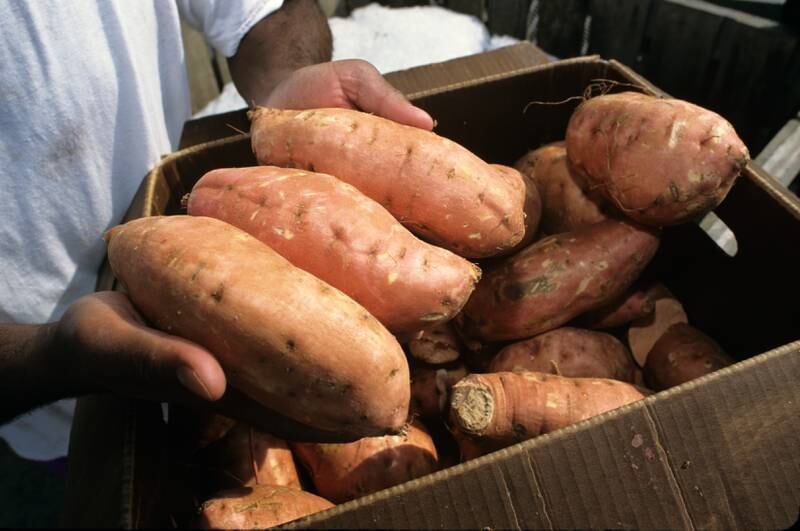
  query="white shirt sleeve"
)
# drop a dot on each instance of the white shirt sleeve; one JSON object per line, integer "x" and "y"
{"x": 225, "y": 22}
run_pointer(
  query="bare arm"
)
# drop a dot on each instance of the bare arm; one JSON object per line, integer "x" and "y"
{"x": 294, "y": 36}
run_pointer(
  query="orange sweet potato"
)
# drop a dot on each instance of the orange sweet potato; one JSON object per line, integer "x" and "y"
{"x": 492, "y": 411}
{"x": 570, "y": 352}
{"x": 659, "y": 161}
{"x": 285, "y": 338}
{"x": 438, "y": 189}
{"x": 248, "y": 457}
{"x": 258, "y": 507}
{"x": 532, "y": 209}
{"x": 336, "y": 233}
{"x": 557, "y": 279}
{"x": 634, "y": 304}
{"x": 681, "y": 354}
{"x": 565, "y": 204}
{"x": 342, "y": 472}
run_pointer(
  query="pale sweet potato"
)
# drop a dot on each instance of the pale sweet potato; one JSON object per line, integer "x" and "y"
{"x": 645, "y": 331}
{"x": 492, "y": 411}
{"x": 285, "y": 338}
{"x": 438, "y": 189}
{"x": 557, "y": 279}
{"x": 430, "y": 388}
{"x": 436, "y": 345}
{"x": 565, "y": 204}
{"x": 336, "y": 233}
{"x": 342, "y": 472}
{"x": 570, "y": 352}
{"x": 258, "y": 507}
{"x": 681, "y": 354}
{"x": 659, "y": 161}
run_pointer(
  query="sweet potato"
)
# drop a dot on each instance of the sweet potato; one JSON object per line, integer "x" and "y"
{"x": 532, "y": 210}
{"x": 258, "y": 507}
{"x": 570, "y": 352}
{"x": 430, "y": 388}
{"x": 557, "y": 279}
{"x": 645, "y": 331}
{"x": 681, "y": 354}
{"x": 659, "y": 161}
{"x": 285, "y": 338}
{"x": 336, "y": 233}
{"x": 342, "y": 472}
{"x": 492, "y": 411}
{"x": 195, "y": 429}
{"x": 438, "y": 189}
{"x": 436, "y": 345}
{"x": 251, "y": 457}
{"x": 565, "y": 204}
{"x": 636, "y": 303}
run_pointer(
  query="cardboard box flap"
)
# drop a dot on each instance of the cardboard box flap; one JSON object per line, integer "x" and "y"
{"x": 704, "y": 455}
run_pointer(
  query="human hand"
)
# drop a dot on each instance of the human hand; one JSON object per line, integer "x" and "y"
{"x": 349, "y": 84}
{"x": 110, "y": 348}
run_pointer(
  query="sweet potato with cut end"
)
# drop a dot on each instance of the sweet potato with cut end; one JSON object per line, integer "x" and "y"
{"x": 247, "y": 456}
{"x": 565, "y": 204}
{"x": 258, "y": 507}
{"x": 636, "y": 303}
{"x": 438, "y": 189}
{"x": 436, "y": 346}
{"x": 557, "y": 279}
{"x": 342, "y": 472}
{"x": 645, "y": 331}
{"x": 336, "y": 233}
{"x": 570, "y": 352}
{"x": 681, "y": 354}
{"x": 492, "y": 411}
{"x": 430, "y": 388}
{"x": 285, "y": 338}
{"x": 659, "y": 161}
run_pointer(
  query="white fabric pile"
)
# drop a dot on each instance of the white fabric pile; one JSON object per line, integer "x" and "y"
{"x": 394, "y": 39}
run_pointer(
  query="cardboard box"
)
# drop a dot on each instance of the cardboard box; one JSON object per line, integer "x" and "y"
{"x": 719, "y": 452}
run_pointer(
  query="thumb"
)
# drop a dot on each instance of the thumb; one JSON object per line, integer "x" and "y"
{"x": 367, "y": 90}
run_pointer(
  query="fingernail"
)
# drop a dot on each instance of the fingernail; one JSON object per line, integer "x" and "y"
{"x": 193, "y": 383}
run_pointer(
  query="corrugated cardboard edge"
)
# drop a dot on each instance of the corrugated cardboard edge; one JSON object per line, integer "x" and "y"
{"x": 651, "y": 409}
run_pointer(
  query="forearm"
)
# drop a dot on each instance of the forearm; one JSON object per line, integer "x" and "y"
{"x": 295, "y": 36}
{"x": 32, "y": 371}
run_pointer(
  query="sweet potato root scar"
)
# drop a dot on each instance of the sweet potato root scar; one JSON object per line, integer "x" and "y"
{"x": 473, "y": 406}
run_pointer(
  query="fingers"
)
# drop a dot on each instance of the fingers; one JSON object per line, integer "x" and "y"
{"x": 124, "y": 355}
{"x": 366, "y": 88}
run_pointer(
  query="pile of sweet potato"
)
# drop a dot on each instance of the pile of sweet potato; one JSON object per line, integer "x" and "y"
{"x": 413, "y": 306}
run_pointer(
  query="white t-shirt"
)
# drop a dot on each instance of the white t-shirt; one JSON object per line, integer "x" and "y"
{"x": 93, "y": 94}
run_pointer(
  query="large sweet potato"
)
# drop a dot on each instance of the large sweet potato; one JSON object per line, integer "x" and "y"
{"x": 565, "y": 204}
{"x": 258, "y": 507}
{"x": 492, "y": 411}
{"x": 336, "y": 233}
{"x": 342, "y": 472}
{"x": 435, "y": 187}
{"x": 570, "y": 352}
{"x": 659, "y": 161}
{"x": 284, "y": 337}
{"x": 557, "y": 279}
